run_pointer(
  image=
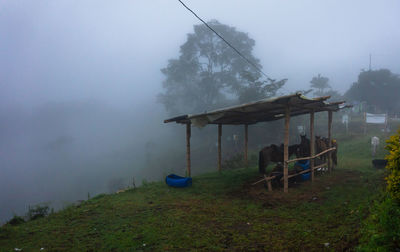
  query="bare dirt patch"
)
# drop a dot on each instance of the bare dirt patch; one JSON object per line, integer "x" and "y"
{"x": 306, "y": 191}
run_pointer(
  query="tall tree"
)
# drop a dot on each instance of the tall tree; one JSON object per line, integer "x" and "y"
{"x": 258, "y": 88}
{"x": 320, "y": 83}
{"x": 208, "y": 73}
{"x": 380, "y": 88}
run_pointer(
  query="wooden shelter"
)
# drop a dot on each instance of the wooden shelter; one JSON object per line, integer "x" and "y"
{"x": 283, "y": 107}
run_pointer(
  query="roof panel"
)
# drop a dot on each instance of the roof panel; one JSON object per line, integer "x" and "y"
{"x": 259, "y": 111}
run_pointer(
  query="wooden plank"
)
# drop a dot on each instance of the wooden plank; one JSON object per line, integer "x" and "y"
{"x": 188, "y": 135}
{"x": 311, "y": 157}
{"x": 299, "y": 173}
{"x": 330, "y": 140}
{"x": 219, "y": 147}
{"x": 320, "y": 166}
{"x": 286, "y": 150}
{"x": 246, "y": 141}
{"x": 264, "y": 179}
{"x": 312, "y": 142}
{"x": 308, "y": 170}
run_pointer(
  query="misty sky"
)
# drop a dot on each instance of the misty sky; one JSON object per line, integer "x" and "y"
{"x": 113, "y": 50}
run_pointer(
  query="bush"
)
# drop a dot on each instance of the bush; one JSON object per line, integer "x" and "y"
{"x": 381, "y": 230}
{"x": 393, "y": 166}
{"x": 38, "y": 211}
{"x": 16, "y": 220}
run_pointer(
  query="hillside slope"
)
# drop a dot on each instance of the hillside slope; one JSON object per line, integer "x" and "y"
{"x": 221, "y": 211}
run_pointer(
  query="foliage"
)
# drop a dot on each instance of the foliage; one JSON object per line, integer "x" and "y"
{"x": 381, "y": 230}
{"x": 254, "y": 89}
{"x": 379, "y": 88}
{"x": 208, "y": 73}
{"x": 393, "y": 158}
{"x": 320, "y": 83}
{"x": 38, "y": 211}
{"x": 16, "y": 220}
{"x": 335, "y": 95}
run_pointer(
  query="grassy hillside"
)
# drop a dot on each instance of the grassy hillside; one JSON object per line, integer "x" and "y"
{"x": 221, "y": 211}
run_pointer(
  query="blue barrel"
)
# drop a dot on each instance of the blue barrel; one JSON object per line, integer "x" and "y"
{"x": 178, "y": 181}
{"x": 304, "y": 164}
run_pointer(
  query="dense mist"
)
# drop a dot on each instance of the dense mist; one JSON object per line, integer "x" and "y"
{"x": 79, "y": 83}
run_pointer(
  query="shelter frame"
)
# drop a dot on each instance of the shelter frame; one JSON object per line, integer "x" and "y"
{"x": 283, "y": 107}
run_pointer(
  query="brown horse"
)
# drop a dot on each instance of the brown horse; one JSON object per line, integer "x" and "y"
{"x": 321, "y": 144}
{"x": 273, "y": 153}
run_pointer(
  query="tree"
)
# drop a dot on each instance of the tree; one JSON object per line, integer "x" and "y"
{"x": 379, "y": 88}
{"x": 320, "y": 83}
{"x": 256, "y": 88}
{"x": 208, "y": 73}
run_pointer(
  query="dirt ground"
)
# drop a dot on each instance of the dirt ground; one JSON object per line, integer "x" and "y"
{"x": 299, "y": 191}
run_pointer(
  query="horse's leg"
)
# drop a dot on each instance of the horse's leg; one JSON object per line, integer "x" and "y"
{"x": 261, "y": 165}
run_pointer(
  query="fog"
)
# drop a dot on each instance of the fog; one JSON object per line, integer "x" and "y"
{"x": 79, "y": 81}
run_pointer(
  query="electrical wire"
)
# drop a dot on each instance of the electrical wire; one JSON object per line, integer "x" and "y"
{"x": 229, "y": 44}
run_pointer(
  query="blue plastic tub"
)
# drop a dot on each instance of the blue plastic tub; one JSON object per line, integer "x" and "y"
{"x": 178, "y": 181}
{"x": 305, "y": 164}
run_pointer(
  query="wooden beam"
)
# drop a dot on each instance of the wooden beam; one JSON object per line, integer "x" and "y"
{"x": 312, "y": 142}
{"x": 330, "y": 140}
{"x": 312, "y": 157}
{"x": 246, "y": 140}
{"x": 219, "y": 146}
{"x": 286, "y": 150}
{"x": 264, "y": 179}
{"x": 188, "y": 135}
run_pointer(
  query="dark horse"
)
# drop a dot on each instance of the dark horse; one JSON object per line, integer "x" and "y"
{"x": 304, "y": 148}
{"x": 273, "y": 153}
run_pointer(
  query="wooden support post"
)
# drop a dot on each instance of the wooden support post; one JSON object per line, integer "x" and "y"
{"x": 312, "y": 143}
{"x": 286, "y": 151}
{"x": 188, "y": 134}
{"x": 330, "y": 140}
{"x": 219, "y": 146}
{"x": 246, "y": 140}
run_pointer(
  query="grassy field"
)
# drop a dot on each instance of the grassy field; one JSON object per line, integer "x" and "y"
{"x": 221, "y": 211}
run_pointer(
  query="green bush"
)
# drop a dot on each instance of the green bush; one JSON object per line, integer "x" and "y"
{"x": 16, "y": 220}
{"x": 393, "y": 166}
{"x": 381, "y": 230}
{"x": 37, "y": 212}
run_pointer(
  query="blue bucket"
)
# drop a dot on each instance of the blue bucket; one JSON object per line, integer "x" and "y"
{"x": 305, "y": 164}
{"x": 178, "y": 181}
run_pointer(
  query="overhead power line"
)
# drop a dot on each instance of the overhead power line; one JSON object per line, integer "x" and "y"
{"x": 229, "y": 44}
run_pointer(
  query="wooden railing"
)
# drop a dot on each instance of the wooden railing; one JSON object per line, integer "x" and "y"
{"x": 268, "y": 179}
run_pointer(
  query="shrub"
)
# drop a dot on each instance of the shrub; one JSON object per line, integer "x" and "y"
{"x": 16, "y": 220}
{"x": 381, "y": 230}
{"x": 393, "y": 166}
{"x": 37, "y": 212}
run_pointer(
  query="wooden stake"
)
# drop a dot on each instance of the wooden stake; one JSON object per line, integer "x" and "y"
{"x": 246, "y": 140}
{"x": 286, "y": 150}
{"x": 188, "y": 134}
{"x": 219, "y": 146}
{"x": 312, "y": 142}
{"x": 330, "y": 140}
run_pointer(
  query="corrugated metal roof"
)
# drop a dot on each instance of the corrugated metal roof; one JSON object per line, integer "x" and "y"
{"x": 259, "y": 111}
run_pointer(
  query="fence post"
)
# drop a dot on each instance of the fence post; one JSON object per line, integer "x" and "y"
{"x": 286, "y": 150}
{"x": 312, "y": 143}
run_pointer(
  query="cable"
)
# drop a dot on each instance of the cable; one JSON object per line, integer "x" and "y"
{"x": 231, "y": 46}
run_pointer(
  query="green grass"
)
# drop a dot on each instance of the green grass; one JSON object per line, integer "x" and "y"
{"x": 221, "y": 211}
